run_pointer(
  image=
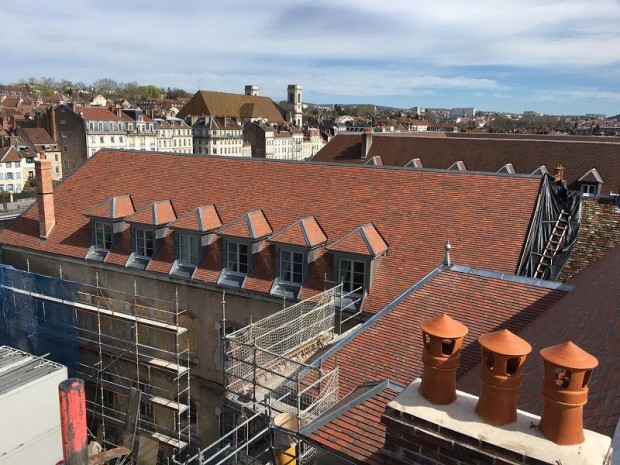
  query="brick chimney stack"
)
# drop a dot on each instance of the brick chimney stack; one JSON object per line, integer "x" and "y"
{"x": 565, "y": 391}
{"x": 45, "y": 195}
{"x": 559, "y": 173}
{"x": 442, "y": 340}
{"x": 366, "y": 142}
{"x": 503, "y": 356}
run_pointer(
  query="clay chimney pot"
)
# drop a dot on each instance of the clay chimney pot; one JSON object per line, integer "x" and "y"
{"x": 568, "y": 369}
{"x": 503, "y": 356}
{"x": 442, "y": 340}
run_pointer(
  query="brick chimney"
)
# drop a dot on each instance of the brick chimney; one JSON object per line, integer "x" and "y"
{"x": 366, "y": 142}
{"x": 442, "y": 340}
{"x": 503, "y": 356}
{"x": 565, "y": 391}
{"x": 559, "y": 173}
{"x": 45, "y": 195}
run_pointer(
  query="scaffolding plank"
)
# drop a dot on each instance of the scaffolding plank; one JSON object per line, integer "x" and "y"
{"x": 168, "y": 403}
{"x": 169, "y": 327}
{"x": 169, "y": 441}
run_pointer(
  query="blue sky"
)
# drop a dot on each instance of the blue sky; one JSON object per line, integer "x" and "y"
{"x": 552, "y": 56}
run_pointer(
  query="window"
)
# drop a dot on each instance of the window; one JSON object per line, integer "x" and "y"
{"x": 63, "y": 122}
{"x": 189, "y": 250}
{"x": 291, "y": 266}
{"x": 352, "y": 275}
{"x": 588, "y": 189}
{"x": 56, "y": 157}
{"x": 144, "y": 243}
{"x": 17, "y": 164}
{"x": 101, "y": 139}
{"x": 64, "y": 148}
{"x": 63, "y": 134}
{"x": 237, "y": 255}
{"x": 112, "y": 139}
{"x": 9, "y": 176}
{"x": 31, "y": 160}
{"x": 103, "y": 235}
{"x": 9, "y": 165}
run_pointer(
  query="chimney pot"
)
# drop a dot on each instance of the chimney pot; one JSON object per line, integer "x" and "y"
{"x": 446, "y": 255}
{"x": 503, "y": 356}
{"x": 442, "y": 340}
{"x": 565, "y": 391}
{"x": 559, "y": 173}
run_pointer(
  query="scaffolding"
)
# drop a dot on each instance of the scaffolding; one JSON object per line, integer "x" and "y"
{"x": 123, "y": 340}
{"x": 266, "y": 373}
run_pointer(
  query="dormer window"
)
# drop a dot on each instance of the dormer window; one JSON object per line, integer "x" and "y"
{"x": 107, "y": 220}
{"x": 291, "y": 267}
{"x": 243, "y": 237}
{"x": 144, "y": 244}
{"x": 355, "y": 262}
{"x": 591, "y": 183}
{"x": 193, "y": 233}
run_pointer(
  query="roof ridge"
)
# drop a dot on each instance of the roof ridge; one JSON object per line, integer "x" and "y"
{"x": 501, "y": 276}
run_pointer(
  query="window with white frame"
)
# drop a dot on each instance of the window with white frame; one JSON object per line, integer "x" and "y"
{"x": 588, "y": 189}
{"x": 189, "y": 250}
{"x": 103, "y": 235}
{"x": 144, "y": 242}
{"x": 237, "y": 257}
{"x": 291, "y": 266}
{"x": 352, "y": 275}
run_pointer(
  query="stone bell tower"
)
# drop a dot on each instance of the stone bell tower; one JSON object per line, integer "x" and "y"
{"x": 295, "y": 110}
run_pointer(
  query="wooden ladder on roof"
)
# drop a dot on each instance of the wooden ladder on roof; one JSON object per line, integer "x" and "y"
{"x": 553, "y": 244}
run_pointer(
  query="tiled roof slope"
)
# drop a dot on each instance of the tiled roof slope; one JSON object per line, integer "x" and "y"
{"x": 209, "y": 103}
{"x": 415, "y": 211}
{"x": 390, "y": 347}
{"x": 357, "y": 433}
{"x": 9, "y": 154}
{"x": 486, "y": 154}
{"x": 305, "y": 232}
{"x": 37, "y": 136}
{"x": 119, "y": 206}
{"x": 98, "y": 114}
{"x": 589, "y": 316}
{"x": 201, "y": 219}
{"x": 364, "y": 240}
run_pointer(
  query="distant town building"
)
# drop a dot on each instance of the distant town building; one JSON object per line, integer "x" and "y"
{"x": 463, "y": 112}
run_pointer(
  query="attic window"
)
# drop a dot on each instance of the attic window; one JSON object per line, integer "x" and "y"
{"x": 589, "y": 190}
{"x": 144, "y": 242}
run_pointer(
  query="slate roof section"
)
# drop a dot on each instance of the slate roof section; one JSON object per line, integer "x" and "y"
{"x": 487, "y": 152}
{"x": 209, "y": 103}
{"x": 364, "y": 240}
{"x": 157, "y": 214}
{"x": 202, "y": 219}
{"x": 252, "y": 225}
{"x": 415, "y": 210}
{"x": 389, "y": 346}
{"x": 589, "y": 316}
{"x": 114, "y": 208}
{"x": 305, "y": 232}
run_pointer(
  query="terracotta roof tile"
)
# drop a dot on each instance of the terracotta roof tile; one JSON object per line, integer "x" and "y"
{"x": 486, "y": 152}
{"x": 157, "y": 213}
{"x": 116, "y": 207}
{"x": 416, "y": 211}
{"x": 98, "y": 114}
{"x": 201, "y": 219}
{"x": 252, "y": 225}
{"x": 364, "y": 240}
{"x": 9, "y": 154}
{"x": 305, "y": 232}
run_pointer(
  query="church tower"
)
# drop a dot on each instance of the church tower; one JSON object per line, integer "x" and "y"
{"x": 294, "y": 104}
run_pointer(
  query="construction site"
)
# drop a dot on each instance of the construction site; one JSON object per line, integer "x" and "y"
{"x": 118, "y": 342}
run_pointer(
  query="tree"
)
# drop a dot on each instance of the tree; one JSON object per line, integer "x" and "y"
{"x": 106, "y": 86}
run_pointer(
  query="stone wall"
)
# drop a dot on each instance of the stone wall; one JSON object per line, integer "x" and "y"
{"x": 599, "y": 233}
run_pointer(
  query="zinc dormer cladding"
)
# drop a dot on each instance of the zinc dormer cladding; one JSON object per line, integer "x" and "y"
{"x": 415, "y": 211}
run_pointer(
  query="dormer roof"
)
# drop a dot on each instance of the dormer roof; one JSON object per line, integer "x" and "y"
{"x": 202, "y": 219}
{"x": 592, "y": 176}
{"x": 364, "y": 240}
{"x": 375, "y": 161}
{"x": 114, "y": 208}
{"x": 252, "y": 225}
{"x": 507, "y": 168}
{"x": 458, "y": 165}
{"x": 157, "y": 214}
{"x": 415, "y": 163}
{"x": 542, "y": 169}
{"x": 305, "y": 232}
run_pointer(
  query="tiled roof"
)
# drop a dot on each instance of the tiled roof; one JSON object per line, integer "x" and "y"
{"x": 119, "y": 206}
{"x": 252, "y": 225}
{"x": 364, "y": 240}
{"x": 390, "y": 345}
{"x": 416, "y": 212}
{"x": 355, "y": 430}
{"x": 9, "y": 154}
{"x": 201, "y": 219}
{"x": 589, "y": 316}
{"x": 156, "y": 213}
{"x": 305, "y": 232}
{"x": 37, "y": 136}
{"x": 488, "y": 153}
{"x": 99, "y": 114}
{"x": 211, "y": 103}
